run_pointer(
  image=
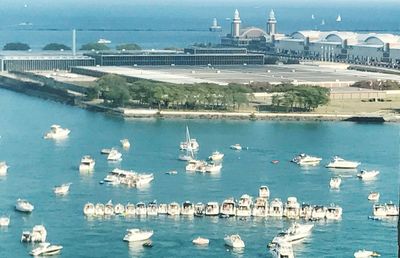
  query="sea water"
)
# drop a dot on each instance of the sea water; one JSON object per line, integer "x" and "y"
{"x": 37, "y": 165}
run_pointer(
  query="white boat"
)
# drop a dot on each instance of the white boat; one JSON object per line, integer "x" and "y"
{"x": 24, "y": 206}
{"x": 136, "y": 234}
{"x": 57, "y": 132}
{"x": 282, "y": 249}
{"x": 305, "y": 211}
{"x": 213, "y": 168}
{"x": 295, "y": 233}
{"x": 99, "y": 209}
{"x": 323, "y": 22}
{"x": 234, "y": 241}
{"x": 228, "y": 208}
{"x": 62, "y": 189}
{"x": 391, "y": 209}
{"x": 89, "y": 209}
{"x": 379, "y": 210}
{"x": 212, "y": 209}
{"x": 125, "y": 143}
{"x": 114, "y": 155}
{"x": 339, "y": 18}
{"x": 244, "y": 206}
{"x": 187, "y": 209}
{"x": 263, "y": 192}
{"x": 334, "y": 212}
{"x": 335, "y": 182}
{"x": 260, "y": 208}
{"x": 171, "y": 172}
{"x": 368, "y": 175}
{"x": 162, "y": 209}
{"x": 4, "y": 221}
{"x": 106, "y": 151}
{"x": 3, "y": 168}
{"x": 365, "y": 254}
{"x": 236, "y": 147}
{"x": 130, "y": 209}
{"x": 318, "y": 212}
{"x": 186, "y": 157}
{"x": 199, "y": 209}
{"x": 109, "y": 208}
{"x": 104, "y": 41}
{"x": 144, "y": 179}
{"x": 174, "y": 209}
{"x": 46, "y": 249}
{"x": 119, "y": 209}
{"x": 306, "y": 160}
{"x": 201, "y": 241}
{"x": 276, "y": 208}
{"x": 38, "y": 234}
{"x": 292, "y": 208}
{"x": 216, "y": 156}
{"x": 338, "y": 162}
{"x": 152, "y": 208}
{"x": 195, "y": 165}
{"x": 189, "y": 143}
{"x": 374, "y": 196}
{"x": 141, "y": 209}
{"x": 87, "y": 163}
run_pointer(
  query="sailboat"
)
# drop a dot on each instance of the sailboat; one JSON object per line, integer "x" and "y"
{"x": 339, "y": 18}
{"x": 189, "y": 155}
{"x": 189, "y": 144}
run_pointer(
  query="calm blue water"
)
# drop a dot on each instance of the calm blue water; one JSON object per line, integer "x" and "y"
{"x": 37, "y": 165}
{"x": 173, "y": 23}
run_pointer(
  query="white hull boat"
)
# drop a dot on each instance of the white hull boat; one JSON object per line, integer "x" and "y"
{"x": 334, "y": 212}
{"x": 114, "y": 155}
{"x": 130, "y": 209}
{"x": 305, "y": 211}
{"x": 213, "y": 168}
{"x": 38, "y": 234}
{"x": 4, "y": 221}
{"x": 152, "y": 209}
{"x": 340, "y": 163}
{"x": 228, "y": 208}
{"x": 109, "y": 209}
{"x": 379, "y": 210}
{"x": 62, "y": 189}
{"x": 391, "y": 209}
{"x": 236, "y": 147}
{"x": 295, "y": 233}
{"x": 282, "y": 249}
{"x": 3, "y": 168}
{"x": 141, "y": 209}
{"x": 368, "y": 175}
{"x": 306, "y": 160}
{"x": 365, "y": 254}
{"x": 260, "y": 208}
{"x": 243, "y": 211}
{"x": 24, "y": 206}
{"x": 374, "y": 196}
{"x": 212, "y": 209}
{"x": 335, "y": 182}
{"x": 135, "y": 235}
{"x": 189, "y": 143}
{"x": 276, "y": 208}
{"x": 234, "y": 241}
{"x": 163, "y": 209}
{"x": 187, "y": 209}
{"x": 263, "y": 192}
{"x": 87, "y": 163}
{"x": 292, "y": 208}
{"x": 89, "y": 209}
{"x": 199, "y": 209}
{"x": 125, "y": 143}
{"x": 318, "y": 212}
{"x": 216, "y": 156}
{"x": 119, "y": 209}
{"x": 174, "y": 209}
{"x": 46, "y": 249}
{"x": 201, "y": 241}
{"x": 56, "y": 133}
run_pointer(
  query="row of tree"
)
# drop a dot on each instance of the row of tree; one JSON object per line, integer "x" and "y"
{"x": 378, "y": 85}
{"x": 299, "y": 98}
{"x": 18, "y": 46}
{"x": 116, "y": 91}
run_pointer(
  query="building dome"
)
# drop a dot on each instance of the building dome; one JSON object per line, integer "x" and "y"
{"x": 252, "y": 32}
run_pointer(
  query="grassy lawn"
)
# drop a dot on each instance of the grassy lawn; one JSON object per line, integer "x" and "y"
{"x": 357, "y": 106}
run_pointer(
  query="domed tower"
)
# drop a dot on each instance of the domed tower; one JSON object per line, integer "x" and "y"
{"x": 271, "y": 23}
{"x": 235, "y": 31}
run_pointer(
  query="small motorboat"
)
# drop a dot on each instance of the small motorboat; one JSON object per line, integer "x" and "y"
{"x": 174, "y": 209}
{"x": 292, "y": 208}
{"x": 4, "y": 221}
{"x": 119, "y": 209}
{"x": 263, "y": 192}
{"x": 368, "y": 175}
{"x": 46, "y": 249}
{"x": 87, "y": 163}
{"x": 38, "y": 234}
{"x": 24, "y": 206}
{"x": 391, "y": 209}
{"x": 3, "y": 168}
{"x": 57, "y": 132}
{"x": 125, "y": 143}
{"x": 234, "y": 241}
{"x": 275, "y": 161}
{"x": 212, "y": 209}
{"x": 99, "y": 209}
{"x": 236, "y": 146}
{"x": 379, "y": 210}
{"x": 89, "y": 209}
{"x": 201, "y": 241}
{"x": 213, "y": 168}
{"x": 105, "y": 151}
{"x": 334, "y": 212}
{"x": 114, "y": 155}
{"x": 374, "y": 196}
{"x": 171, "y": 172}
{"x": 365, "y": 254}
{"x": 162, "y": 209}
{"x": 62, "y": 189}
{"x": 141, "y": 209}
{"x": 340, "y": 163}
{"x": 216, "y": 156}
{"x": 335, "y": 182}
{"x": 187, "y": 209}
{"x": 282, "y": 249}
{"x": 306, "y": 160}
{"x": 136, "y": 234}
{"x": 199, "y": 209}
{"x": 130, "y": 209}
{"x": 152, "y": 208}
{"x": 109, "y": 208}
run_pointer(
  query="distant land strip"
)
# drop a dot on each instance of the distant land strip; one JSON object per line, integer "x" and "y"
{"x": 104, "y": 29}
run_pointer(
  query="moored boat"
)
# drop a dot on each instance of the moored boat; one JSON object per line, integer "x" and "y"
{"x": 38, "y": 234}
{"x": 152, "y": 208}
{"x": 119, "y": 209}
{"x": 87, "y": 163}
{"x": 62, "y": 189}
{"x": 46, "y": 249}
{"x": 109, "y": 208}
{"x": 295, "y": 233}
{"x": 174, "y": 209}
{"x": 365, "y": 254}
{"x": 24, "y": 206}
{"x": 201, "y": 241}
{"x": 374, "y": 196}
{"x": 135, "y": 234}
{"x": 199, "y": 209}
{"x": 57, "y": 132}
{"x": 334, "y": 212}
{"x": 125, "y": 143}
{"x": 4, "y": 221}
{"x": 216, "y": 156}
{"x": 340, "y": 163}
{"x": 282, "y": 249}
{"x": 89, "y": 209}
{"x": 335, "y": 182}
{"x": 212, "y": 209}
{"x": 130, "y": 209}
{"x": 114, "y": 155}
{"x": 305, "y": 211}
{"x": 236, "y": 146}
{"x": 318, "y": 212}
{"x": 189, "y": 143}
{"x": 368, "y": 175}
{"x": 99, "y": 209}
{"x": 260, "y": 208}
{"x": 234, "y": 241}
{"x": 292, "y": 208}
{"x": 391, "y": 209}
{"x": 276, "y": 208}
{"x": 263, "y": 192}
{"x": 141, "y": 209}
{"x": 162, "y": 209}
{"x": 228, "y": 208}
{"x": 3, "y": 168}
{"x": 187, "y": 209}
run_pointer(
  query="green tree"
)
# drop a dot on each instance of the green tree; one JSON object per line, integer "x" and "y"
{"x": 95, "y": 46}
{"x": 128, "y": 46}
{"x": 16, "y": 46}
{"x": 56, "y": 47}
